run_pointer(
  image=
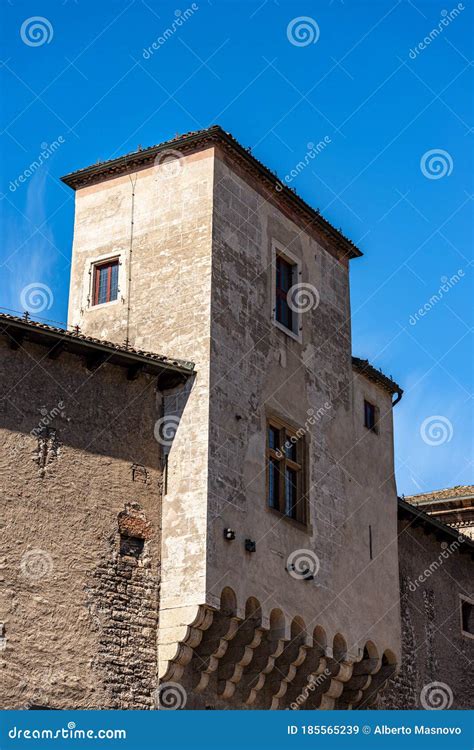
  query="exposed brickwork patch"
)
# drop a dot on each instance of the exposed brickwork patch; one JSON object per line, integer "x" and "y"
{"x": 123, "y": 603}
{"x": 132, "y": 523}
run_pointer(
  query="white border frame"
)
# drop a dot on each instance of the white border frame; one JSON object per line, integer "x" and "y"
{"x": 279, "y": 249}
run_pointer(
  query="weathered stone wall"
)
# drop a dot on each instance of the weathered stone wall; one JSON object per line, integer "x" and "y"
{"x": 169, "y": 260}
{"x": 199, "y": 259}
{"x": 78, "y": 465}
{"x": 434, "y": 649}
{"x": 256, "y": 369}
{"x": 372, "y": 522}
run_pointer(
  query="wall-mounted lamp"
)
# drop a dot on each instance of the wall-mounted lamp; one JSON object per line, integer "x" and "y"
{"x": 229, "y": 534}
{"x": 250, "y": 546}
{"x": 305, "y": 575}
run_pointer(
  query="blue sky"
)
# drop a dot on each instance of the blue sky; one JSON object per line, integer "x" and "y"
{"x": 357, "y": 76}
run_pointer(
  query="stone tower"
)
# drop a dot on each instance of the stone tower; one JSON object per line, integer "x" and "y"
{"x": 279, "y": 511}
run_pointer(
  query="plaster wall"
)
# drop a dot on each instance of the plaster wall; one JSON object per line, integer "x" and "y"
{"x": 201, "y": 289}
{"x": 69, "y": 601}
{"x": 257, "y": 369}
{"x": 165, "y": 278}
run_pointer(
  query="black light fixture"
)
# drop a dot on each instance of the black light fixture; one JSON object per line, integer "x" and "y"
{"x": 250, "y": 545}
{"x": 229, "y": 534}
{"x": 305, "y": 574}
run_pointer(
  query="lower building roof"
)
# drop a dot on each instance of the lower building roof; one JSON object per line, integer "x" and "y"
{"x": 430, "y": 524}
{"x": 363, "y": 367}
{"x": 457, "y": 493}
{"x": 97, "y": 351}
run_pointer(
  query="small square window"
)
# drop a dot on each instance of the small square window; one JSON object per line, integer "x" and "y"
{"x": 105, "y": 286}
{"x": 467, "y": 617}
{"x": 371, "y": 416}
{"x": 285, "y": 471}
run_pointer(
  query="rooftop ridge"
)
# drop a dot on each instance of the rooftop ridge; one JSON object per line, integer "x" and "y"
{"x": 457, "y": 490}
{"x": 215, "y": 134}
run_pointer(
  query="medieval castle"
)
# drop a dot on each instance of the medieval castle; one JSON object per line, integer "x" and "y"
{"x": 199, "y": 507}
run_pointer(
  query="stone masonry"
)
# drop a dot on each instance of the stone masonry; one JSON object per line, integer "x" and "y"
{"x": 143, "y": 564}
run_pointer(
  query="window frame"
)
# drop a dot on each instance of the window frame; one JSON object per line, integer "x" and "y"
{"x": 278, "y": 251}
{"x": 467, "y": 600}
{"x": 375, "y": 427}
{"x": 298, "y": 464}
{"x": 95, "y": 275}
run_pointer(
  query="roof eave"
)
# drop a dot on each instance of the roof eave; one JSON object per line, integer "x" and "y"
{"x": 433, "y": 525}
{"x": 72, "y": 343}
{"x": 97, "y": 172}
{"x": 364, "y": 368}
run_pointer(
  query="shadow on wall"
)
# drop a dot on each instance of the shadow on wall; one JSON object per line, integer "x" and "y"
{"x": 59, "y": 403}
